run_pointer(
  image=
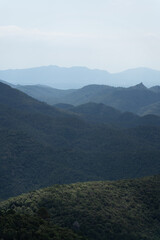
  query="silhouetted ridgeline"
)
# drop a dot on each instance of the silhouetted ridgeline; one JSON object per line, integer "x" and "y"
{"x": 137, "y": 99}
{"x": 77, "y": 77}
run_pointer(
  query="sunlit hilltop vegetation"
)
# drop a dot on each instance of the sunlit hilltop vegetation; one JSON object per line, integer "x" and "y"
{"x": 126, "y": 209}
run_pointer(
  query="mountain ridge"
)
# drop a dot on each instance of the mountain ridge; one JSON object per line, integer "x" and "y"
{"x": 76, "y": 77}
{"x": 134, "y": 99}
{"x": 41, "y": 146}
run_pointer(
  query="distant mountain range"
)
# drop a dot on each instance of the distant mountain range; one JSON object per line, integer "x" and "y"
{"x": 42, "y": 145}
{"x": 78, "y": 77}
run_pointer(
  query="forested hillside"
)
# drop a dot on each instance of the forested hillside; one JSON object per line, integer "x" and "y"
{"x": 41, "y": 146}
{"x": 101, "y": 114}
{"x": 126, "y": 209}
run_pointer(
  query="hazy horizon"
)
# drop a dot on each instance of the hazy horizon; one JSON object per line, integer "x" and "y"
{"x": 77, "y": 77}
{"x": 76, "y": 66}
{"x": 112, "y": 35}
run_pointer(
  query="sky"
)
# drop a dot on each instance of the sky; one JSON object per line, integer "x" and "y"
{"x": 113, "y": 35}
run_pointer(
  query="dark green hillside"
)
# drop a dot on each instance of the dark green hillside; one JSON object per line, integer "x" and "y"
{"x": 41, "y": 146}
{"x": 27, "y": 163}
{"x": 121, "y": 210}
{"x": 97, "y": 113}
{"x": 102, "y": 114}
{"x": 63, "y": 106}
{"x": 17, "y": 100}
{"x": 23, "y": 226}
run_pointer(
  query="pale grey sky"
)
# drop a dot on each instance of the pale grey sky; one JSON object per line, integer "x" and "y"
{"x": 107, "y": 34}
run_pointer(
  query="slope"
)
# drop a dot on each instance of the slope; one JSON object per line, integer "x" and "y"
{"x": 44, "y": 93}
{"x": 127, "y": 209}
{"x": 134, "y": 99}
{"x": 124, "y": 99}
{"x": 99, "y": 113}
{"x": 41, "y": 146}
{"x": 150, "y": 109}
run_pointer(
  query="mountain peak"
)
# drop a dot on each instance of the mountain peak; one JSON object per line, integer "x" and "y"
{"x": 140, "y": 86}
